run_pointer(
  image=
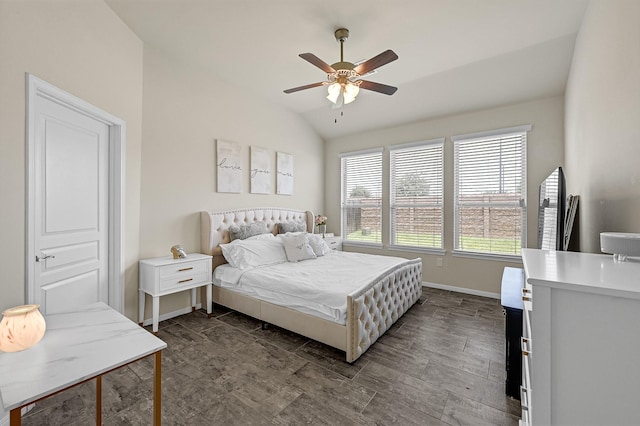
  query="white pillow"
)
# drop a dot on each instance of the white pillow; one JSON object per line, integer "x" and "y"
{"x": 318, "y": 244}
{"x": 250, "y": 253}
{"x": 268, "y": 236}
{"x": 296, "y": 246}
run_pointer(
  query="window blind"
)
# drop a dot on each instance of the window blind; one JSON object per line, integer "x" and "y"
{"x": 490, "y": 194}
{"x": 416, "y": 178}
{"x": 362, "y": 197}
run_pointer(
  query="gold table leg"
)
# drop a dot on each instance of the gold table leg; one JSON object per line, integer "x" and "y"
{"x": 15, "y": 417}
{"x": 99, "y": 400}
{"x": 157, "y": 389}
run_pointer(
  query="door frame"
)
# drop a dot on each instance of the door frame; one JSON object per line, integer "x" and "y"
{"x": 117, "y": 130}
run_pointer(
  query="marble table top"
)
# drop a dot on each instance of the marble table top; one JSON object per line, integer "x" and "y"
{"x": 76, "y": 346}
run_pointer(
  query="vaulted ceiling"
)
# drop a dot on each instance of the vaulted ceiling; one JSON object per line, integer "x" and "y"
{"x": 454, "y": 55}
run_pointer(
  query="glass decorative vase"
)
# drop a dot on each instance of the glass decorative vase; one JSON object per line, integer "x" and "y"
{"x": 21, "y": 327}
{"x": 322, "y": 229}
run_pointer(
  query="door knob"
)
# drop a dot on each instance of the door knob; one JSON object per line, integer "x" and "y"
{"x": 38, "y": 258}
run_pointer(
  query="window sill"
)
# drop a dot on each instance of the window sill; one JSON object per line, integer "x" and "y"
{"x": 414, "y": 249}
{"x": 488, "y": 256}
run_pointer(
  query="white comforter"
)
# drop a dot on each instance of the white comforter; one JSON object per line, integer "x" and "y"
{"x": 317, "y": 287}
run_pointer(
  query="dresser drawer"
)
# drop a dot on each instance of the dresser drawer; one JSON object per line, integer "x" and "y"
{"x": 183, "y": 280}
{"x": 183, "y": 270}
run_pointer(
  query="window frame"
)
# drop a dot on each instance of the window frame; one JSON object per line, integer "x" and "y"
{"x": 484, "y": 136}
{"x": 393, "y": 203}
{"x": 343, "y": 211}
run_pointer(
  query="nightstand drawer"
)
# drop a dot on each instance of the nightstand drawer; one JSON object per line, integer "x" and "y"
{"x": 334, "y": 243}
{"x": 183, "y": 270}
{"x": 181, "y": 280}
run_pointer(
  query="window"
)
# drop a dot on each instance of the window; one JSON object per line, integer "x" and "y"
{"x": 362, "y": 197}
{"x": 490, "y": 192}
{"x": 416, "y": 195}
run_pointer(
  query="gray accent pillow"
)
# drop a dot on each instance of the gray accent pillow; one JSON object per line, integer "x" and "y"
{"x": 284, "y": 227}
{"x": 246, "y": 230}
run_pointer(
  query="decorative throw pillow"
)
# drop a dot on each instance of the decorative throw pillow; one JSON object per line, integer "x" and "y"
{"x": 318, "y": 244}
{"x": 246, "y": 230}
{"x": 284, "y": 227}
{"x": 297, "y": 247}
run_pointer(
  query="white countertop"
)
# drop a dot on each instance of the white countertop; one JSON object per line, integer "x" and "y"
{"x": 76, "y": 346}
{"x": 592, "y": 273}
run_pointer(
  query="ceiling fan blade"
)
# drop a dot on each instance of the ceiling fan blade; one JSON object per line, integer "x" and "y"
{"x": 378, "y": 87}
{"x": 376, "y": 62}
{"x": 308, "y": 86}
{"x": 313, "y": 59}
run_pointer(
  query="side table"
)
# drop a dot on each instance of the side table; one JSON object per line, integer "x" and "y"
{"x": 77, "y": 347}
{"x": 166, "y": 275}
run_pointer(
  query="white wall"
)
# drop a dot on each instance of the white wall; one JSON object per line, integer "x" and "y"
{"x": 544, "y": 153}
{"x": 186, "y": 109}
{"x": 86, "y": 50}
{"x": 603, "y": 121}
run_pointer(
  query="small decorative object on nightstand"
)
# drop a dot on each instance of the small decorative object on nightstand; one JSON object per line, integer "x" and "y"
{"x": 321, "y": 224}
{"x": 178, "y": 252}
{"x": 166, "y": 275}
{"x": 334, "y": 242}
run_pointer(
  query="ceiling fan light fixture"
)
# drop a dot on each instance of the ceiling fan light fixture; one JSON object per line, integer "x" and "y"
{"x": 350, "y": 92}
{"x": 344, "y": 79}
{"x": 334, "y": 92}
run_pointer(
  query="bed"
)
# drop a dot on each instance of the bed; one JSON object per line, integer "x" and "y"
{"x": 369, "y": 310}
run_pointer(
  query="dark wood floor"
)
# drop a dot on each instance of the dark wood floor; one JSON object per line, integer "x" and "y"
{"x": 442, "y": 363}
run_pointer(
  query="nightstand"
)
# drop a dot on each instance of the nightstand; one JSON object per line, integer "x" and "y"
{"x": 166, "y": 275}
{"x": 334, "y": 242}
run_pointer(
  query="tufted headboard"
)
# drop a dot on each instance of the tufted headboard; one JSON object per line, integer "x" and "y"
{"x": 214, "y": 225}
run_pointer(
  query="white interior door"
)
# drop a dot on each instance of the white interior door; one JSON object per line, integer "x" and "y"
{"x": 71, "y": 208}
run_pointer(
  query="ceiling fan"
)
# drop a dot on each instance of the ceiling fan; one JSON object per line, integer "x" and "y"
{"x": 344, "y": 79}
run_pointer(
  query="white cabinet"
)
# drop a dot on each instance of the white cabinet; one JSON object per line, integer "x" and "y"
{"x": 166, "y": 275}
{"x": 581, "y": 339}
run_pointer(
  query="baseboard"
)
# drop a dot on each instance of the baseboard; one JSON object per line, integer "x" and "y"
{"x": 462, "y": 290}
{"x": 167, "y": 316}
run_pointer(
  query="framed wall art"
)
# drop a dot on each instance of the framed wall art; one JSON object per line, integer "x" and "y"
{"x": 260, "y": 176}
{"x": 229, "y": 164}
{"x": 284, "y": 181}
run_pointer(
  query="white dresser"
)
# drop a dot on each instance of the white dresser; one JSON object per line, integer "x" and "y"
{"x": 581, "y": 339}
{"x": 166, "y": 275}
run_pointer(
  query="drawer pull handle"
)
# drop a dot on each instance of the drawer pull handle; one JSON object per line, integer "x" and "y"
{"x": 525, "y": 290}
{"x": 524, "y": 398}
{"x": 185, "y": 281}
{"x": 526, "y": 299}
{"x": 525, "y": 346}
{"x": 185, "y": 269}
